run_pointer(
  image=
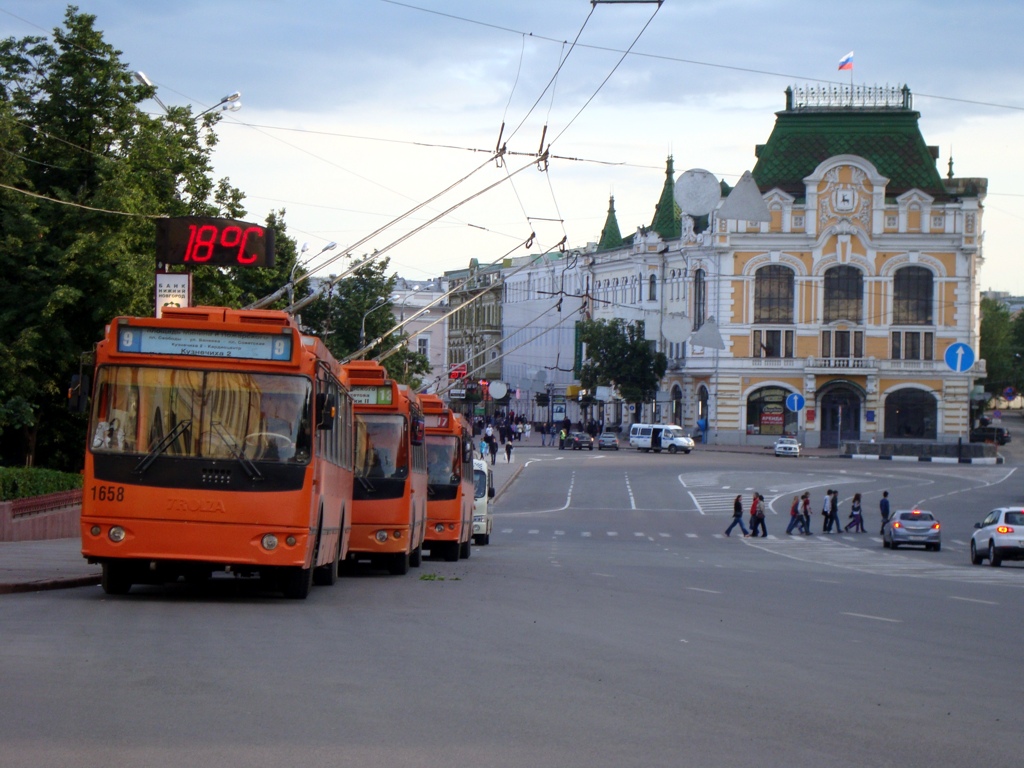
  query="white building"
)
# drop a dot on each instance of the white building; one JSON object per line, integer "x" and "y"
{"x": 427, "y": 332}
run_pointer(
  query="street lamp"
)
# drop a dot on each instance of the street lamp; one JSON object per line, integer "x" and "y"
{"x": 381, "y": 301}
{"x": 230, "y": 102}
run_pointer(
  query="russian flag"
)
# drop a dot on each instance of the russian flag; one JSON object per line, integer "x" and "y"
{"x": 847, "y": 61}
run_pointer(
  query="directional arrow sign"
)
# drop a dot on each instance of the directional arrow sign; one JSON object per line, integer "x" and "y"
{"x": 959, "y": 357}
{"x": 795, "y": 402}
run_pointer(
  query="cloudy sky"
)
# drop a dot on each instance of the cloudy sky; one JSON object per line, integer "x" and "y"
{"x": 355, "y": 111}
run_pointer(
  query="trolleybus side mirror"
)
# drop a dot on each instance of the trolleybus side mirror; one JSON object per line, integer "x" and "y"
{"x": 78, "y": 393}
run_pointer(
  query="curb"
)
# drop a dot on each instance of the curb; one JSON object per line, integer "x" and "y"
{"x": 931, "y": 459}
{"x": 48, "y": 584}
{"x": 499, "y": 491}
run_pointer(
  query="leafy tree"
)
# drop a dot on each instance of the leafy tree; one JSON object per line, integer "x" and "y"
{"x": 338, "y": 318}
{"x": 76, "y": 243}
{"x": 1000, "y": 347}
{"x": 618, "y": 355}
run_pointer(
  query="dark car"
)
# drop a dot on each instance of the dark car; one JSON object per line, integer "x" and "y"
{"x": 580, "y": 440}
{"x": 997, "y": 435}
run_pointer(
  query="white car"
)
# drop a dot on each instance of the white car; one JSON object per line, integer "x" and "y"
{"x": 1000, "y": 536}
{"x": 787, "y": 446}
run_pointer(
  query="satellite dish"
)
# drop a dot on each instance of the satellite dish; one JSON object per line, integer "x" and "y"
{"x": 676, "y": 328}
{"x": 498, "y": 389}
{"x": 697, "y": 192}
{"x": 540, "y": 380}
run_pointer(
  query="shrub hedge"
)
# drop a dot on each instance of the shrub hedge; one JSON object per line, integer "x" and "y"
{"x": 21, "y": 483}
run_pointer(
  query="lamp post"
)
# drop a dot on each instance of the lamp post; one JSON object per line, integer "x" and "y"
{"x": 230, "y": 102}
{"x": 381, "y": 301}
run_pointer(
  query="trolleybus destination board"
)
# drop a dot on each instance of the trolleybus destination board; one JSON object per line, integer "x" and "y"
{"x": 181, "y": 341}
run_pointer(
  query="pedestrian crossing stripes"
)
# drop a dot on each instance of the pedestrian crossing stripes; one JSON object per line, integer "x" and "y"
{"x": 851, "y": 552}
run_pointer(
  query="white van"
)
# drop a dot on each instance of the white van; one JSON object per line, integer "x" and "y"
{"x": 483, "y": 492}
{"x": 659, "y": 437}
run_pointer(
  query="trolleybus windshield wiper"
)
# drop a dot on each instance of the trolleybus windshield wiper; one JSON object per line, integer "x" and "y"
{"x": 250, "y": 469}
{"x": 162, "y": 446}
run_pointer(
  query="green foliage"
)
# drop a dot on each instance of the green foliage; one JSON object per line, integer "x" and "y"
{"x": 76, "y": 246}
{"x": 25, "y": 483}
{"x": 1000, "y": 342}
{"x": 618, "y": 355}
{"x": 360, "y": 305}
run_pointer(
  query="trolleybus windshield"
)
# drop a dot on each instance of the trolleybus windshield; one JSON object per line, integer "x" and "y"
{"x": 201, "y": 414}
{"x": 444, "y": 466}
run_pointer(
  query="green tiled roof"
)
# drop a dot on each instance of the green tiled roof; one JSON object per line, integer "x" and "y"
{"x": 889, "y": 138}
{"x": 610, "y": 235}
{"x": 667, "y": 215}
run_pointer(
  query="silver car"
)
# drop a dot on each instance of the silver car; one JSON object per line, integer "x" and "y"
{"x": 608, "y": 440}
{"x": 787, "y": 446}
{"x": 1000, "y": 536}
{"x": 912, "y": 526}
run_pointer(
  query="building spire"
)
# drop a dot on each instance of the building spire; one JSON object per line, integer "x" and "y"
{"x": 610, "y": 235}
{"x": 667, "y": 216}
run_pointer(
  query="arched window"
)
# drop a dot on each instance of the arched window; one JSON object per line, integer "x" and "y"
{"x": 652, "y": 288}
{"x": 844, "y": 294}
{"x": 911, "y": 414}
{"x": 700, "y": 301}
{"x": 767, "y": 413}
{"x": 773, "y": 294}
{"x": 912, "y": 296}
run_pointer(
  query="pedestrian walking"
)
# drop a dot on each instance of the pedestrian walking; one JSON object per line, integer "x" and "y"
{"x": 857, "y": 520}
{"x": 492, "y": 446}
{"x": 805, "y": 512}
{"x": 883, "y": 507}
{"x": 757, "y": 517}
{"x": 826, "y": 512}
{"x": 737, "y": 516}
{"x": 483, "y": 447}
{"x": 796, "y": 519}
{"x": 834, "y": 518}
{"x": 508, "y": 452}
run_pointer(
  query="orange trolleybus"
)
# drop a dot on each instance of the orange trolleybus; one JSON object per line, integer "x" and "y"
{"x": 449, "y": 481}
{"x": 389, "y": 493}
{"x": 219, "y": 440}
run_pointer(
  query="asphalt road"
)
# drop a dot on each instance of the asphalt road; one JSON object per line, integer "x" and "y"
{"x": 609, "y": 623}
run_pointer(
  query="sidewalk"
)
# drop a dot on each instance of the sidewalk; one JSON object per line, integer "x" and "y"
{"x": 32, "y": 566}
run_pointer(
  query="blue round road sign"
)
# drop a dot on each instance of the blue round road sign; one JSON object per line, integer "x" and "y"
{"x": 959, "y": 357}
{"x": 795, "y": 402}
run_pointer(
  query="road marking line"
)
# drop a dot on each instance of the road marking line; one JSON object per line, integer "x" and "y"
{"x": 973, "y": 600}
{"x": 873, "y": 618}
{"x": 709, "y": 591}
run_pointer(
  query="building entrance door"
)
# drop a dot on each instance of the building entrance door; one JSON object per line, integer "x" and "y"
{"x": 840, "y": 417}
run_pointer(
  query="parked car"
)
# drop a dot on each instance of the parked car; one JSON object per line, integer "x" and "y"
{"x": 1000, "y": 536}
{"x": 608, "y": 440}
{"x": 912, "y": 526}
{"x": 787, "y": 446}
{"x": 997, "y": 435}
{"x": 580, "y": 440}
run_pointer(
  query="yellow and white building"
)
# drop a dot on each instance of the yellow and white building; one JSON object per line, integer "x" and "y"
{"x": 849, "y": 296}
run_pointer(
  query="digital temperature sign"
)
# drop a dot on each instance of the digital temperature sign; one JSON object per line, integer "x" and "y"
{"x": 206, "y": 240}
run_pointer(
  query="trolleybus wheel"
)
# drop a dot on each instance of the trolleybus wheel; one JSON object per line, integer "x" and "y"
{"x": 296, "y": 582}
{"x": 416, "y": 557}
{"x": 399, "y": 564}
{"x": 466, "y": 549}
{"x": 116, "y": 579}
{"x": 326, "y": 575}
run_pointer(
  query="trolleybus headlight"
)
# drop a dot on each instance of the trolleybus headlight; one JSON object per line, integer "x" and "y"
{"x": 290, "y": 541}
{"x": 269, "y": 541}
{"x": 439, "y": 527}
{"x": 95, "y": 530}
{"x": 116, "y": 533}
{"x": 381, "y": 536}
{"x": 397, "y": 534}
